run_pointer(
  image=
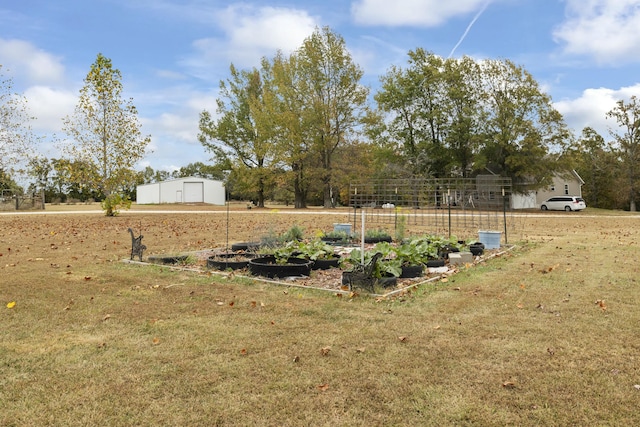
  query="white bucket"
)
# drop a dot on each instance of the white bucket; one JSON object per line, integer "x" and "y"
{"x": 346, "y": 228}
{"x": 490, "y": 239}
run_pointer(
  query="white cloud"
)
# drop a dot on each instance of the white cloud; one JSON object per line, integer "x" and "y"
{"x": 49, "y": 106}
{"x": 427, "y": 13}
{"x": 251, "y": 33}
{"x": 607, "y": 30}
{"x": 591, "y": 108}
{"x": 24, "y": 60}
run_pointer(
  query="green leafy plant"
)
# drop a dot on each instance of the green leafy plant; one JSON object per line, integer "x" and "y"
{"x": 338, "y": 235}
{"x": 313, "y": 250}
{"x": 384, "y": 266}
{"x": 377, "y": 233}
{"x": 295, "y": 233}
{"x": 112, "y": 204}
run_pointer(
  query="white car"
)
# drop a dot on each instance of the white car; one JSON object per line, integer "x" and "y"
{"x": 564, "y": 203}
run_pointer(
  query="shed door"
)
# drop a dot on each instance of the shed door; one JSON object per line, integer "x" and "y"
{"x": 193, "y": 192}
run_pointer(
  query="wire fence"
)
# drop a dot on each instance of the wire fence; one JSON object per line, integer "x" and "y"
{"x": 453, "y": 206}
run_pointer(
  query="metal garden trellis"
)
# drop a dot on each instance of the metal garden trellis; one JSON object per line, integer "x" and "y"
{"x": 440, "y": 205}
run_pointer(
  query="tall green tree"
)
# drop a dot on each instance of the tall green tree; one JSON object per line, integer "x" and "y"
{"x": 329, "y": 82}
{"x": 627, "y": 139}
{"x": 17, "y": 142}
{"x": 105, "y": 134}
{"x": 596, "y": 162}
{"x": 295, "y": 126}
{"x": 242, "y": 135}
{"x": 521, "y": 125}
{"x": 411, "y": 103}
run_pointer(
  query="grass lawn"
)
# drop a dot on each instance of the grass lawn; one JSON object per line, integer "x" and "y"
{"x": 545, "y": 335}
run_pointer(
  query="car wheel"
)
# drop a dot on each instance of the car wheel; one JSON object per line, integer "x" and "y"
{"x": 567, "y": 208}
{"x": 543, "y": 207}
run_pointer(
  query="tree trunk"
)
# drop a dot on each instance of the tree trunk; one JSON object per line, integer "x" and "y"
{"x": 260, "y": 200}
{"x": 300, "y": 195}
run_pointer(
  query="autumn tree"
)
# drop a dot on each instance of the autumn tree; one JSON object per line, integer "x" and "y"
{"x": 627, "y": 139}
{"x": 17, "y": 141}
{"x": 329, "y": 83}
{"x": 521, "y": 126}
{"x": 242, "y": 136}
{"x": 430, "y": 112}
{"x": 104, "y": 134}
{"x": 595, "y": 161}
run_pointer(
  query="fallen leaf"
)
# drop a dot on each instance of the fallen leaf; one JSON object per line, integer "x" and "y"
{"x": 360, "y": 350}
{"x": 323, "y": 387}
{"x": 436, "y": 327}
{"x": 296, "y": 359}
{"x": 519, "y": 305}
{"x": 551, "y": 351}
{"x": 87, "y": 277}
{"x": 325, "y": 351}
{"x": 509, "y": 384}
{"x": 156, "y": 341}
{"x": 106, "y": 317}
{"x": 601, "y": 304}
{"x": 243, "y": 352}
{"x": 11, "y": 304}
{"x": 402, "y": 339}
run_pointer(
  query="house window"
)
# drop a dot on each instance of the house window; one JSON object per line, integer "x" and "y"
{"x": 566, "y": 189}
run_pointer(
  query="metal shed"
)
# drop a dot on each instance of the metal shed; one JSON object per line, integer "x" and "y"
{"x": 182, "y": 190}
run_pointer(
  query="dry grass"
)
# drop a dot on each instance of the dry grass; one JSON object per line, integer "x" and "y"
{"x": 546, "y": 335}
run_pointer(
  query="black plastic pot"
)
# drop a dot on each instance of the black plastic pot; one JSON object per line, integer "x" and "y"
{"x": 378, "y": 239}
{"x": 245, "y": 246}
{"x": 233, "y": 261}
{"x": 268, "y": 267}
{"x": 326, "y": 263}
{"x": 435, "y": 263}
{"x": 411, "y": 271}
{"x": 476, "y": 248}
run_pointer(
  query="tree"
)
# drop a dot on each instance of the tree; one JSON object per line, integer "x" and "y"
{"x": 16, "y": 139}
{"x": 595, "y": 161}
{"x": 329, "y": 83}
{"x": 521, "y": 126}
{"x": 410, "y": 102}
{"x": 243, "y": 134}
{"x": 627, "y": 116}
{"x": 199, "y": 169}
{"x": 105, "y": 135}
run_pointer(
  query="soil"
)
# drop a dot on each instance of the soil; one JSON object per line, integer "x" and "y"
{"x": 78, "y": 237}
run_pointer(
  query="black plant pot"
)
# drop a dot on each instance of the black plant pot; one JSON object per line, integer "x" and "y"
{"x": 432, "y": 263}
{"x": 233, "y": 261}
{"x": 476, "y": 248}
{"x": 387, "y": 281}
{"x": 326, "y": 263}
{"x": 411, "y": 271}
{"x": 378, "y": 239}
{"x": 268, "y": 267}
{"x": 245, "y": 246}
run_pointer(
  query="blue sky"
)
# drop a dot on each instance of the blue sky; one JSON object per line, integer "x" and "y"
{"x": 173, "y": 53}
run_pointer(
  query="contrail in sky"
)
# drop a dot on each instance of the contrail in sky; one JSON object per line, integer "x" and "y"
{"x": 473, "y": 21}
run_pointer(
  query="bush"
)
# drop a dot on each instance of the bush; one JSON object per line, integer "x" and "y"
{"x": 112, "y": 204}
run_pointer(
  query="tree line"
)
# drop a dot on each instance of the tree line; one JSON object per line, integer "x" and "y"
{"x": 299, "y": 127}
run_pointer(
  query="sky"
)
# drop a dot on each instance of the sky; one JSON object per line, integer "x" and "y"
{"x": 172, "y": 54}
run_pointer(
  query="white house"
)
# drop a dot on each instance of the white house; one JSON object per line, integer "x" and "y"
{"x": 182, "y": 190}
